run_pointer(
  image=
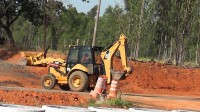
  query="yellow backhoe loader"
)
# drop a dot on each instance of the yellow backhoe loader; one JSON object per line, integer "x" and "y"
{"x": 84, "y": 64}
{"x": 37, "y": 59}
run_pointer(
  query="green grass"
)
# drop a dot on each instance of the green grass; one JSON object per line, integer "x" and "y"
{"x": 115, "y": 103}
{"x": 93, "y": 103}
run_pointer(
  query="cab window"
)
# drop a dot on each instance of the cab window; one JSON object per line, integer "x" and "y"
{"x": 86, "y": 56}
{"x": 73, "y": 55}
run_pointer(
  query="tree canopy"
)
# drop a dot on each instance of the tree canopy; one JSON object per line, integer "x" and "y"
{"x": 11, "y": 10}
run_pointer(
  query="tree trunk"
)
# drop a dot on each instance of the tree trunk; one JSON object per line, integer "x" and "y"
{"x": 147, "y": 50}
{"x": 197, "y": 44}
{"x": 137, "y": 46}
{"x": 54, "y": 38}
{"x": 181, "y": 55}
{"x": 165, "y": 52}
{"x": 198, "y": 51}
{"x": 160, "y": 47}
{"x": 11, "y": 42}
{"x": 176, "y": 36}
{"x": 26, "y": 38}
{"x": 171, "y": 50}
{"x": 136, "y": 53}
{"x": 185, "y": 29}
{"x": 33, "y": 37}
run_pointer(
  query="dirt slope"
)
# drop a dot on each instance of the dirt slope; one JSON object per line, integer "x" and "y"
{"x": 156, "y": 78}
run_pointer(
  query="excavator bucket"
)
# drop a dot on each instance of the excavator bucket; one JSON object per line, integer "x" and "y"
{"x": 117, "y": 75}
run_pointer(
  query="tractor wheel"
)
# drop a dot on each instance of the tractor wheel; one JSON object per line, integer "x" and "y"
{"x": 48, "y": 82}
{"x": 64, "y": 87}
{"x": 78, "y": 81}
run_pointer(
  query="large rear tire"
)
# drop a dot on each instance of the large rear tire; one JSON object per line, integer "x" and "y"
{"x": 48, "y": 81}
{"x": 78, "y": 81}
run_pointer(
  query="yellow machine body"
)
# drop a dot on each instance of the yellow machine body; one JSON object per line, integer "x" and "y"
{"x": 78, "y": 74}
{"x": 63, "y": 78}
{"x": 34, "y": 59}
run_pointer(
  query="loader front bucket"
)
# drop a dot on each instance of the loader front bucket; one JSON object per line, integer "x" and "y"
{"x": 22, "y": 61}
{"x": 26, "y": 59}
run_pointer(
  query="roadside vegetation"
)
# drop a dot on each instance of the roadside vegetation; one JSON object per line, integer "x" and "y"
{"x": 115, "y": 103}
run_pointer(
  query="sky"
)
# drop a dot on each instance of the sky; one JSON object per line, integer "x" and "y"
{"x": 85, "y": 7}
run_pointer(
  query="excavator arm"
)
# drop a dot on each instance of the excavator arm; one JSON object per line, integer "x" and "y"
{"x": 108, "y": 54}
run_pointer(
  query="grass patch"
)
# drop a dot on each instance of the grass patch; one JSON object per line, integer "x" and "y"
{"x": 115, "y": 103}
{"x": 93, "y": 103}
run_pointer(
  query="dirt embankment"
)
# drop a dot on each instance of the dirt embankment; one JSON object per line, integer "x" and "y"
{"x": 156, "y": 78}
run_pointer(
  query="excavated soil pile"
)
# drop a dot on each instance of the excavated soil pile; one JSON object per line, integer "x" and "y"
{"x": 156, "y": 78}
{"x": 33, "y": 98}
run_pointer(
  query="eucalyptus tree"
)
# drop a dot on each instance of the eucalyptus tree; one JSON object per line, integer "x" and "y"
{"x": 110, "y": 26}
{"x": 135, "y": 12}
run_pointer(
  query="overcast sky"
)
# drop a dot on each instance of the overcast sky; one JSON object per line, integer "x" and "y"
{"x": 85, "y": 7}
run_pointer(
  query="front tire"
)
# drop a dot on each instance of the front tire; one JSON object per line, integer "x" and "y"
{"x": 78, "y": 81}
{"x": 48, "y": 82}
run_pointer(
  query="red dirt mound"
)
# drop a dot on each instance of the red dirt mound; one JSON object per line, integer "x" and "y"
{"x": 156, "y": 78}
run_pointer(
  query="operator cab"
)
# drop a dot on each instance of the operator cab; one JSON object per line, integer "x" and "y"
{"x": 87, "y": 56}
